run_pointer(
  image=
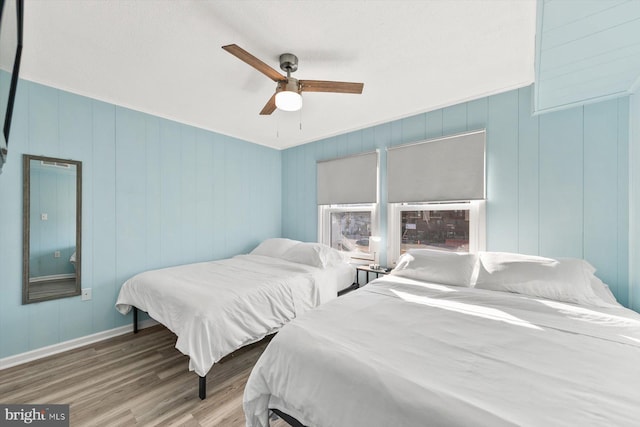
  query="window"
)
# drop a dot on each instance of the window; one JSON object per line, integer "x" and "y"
{"x": 436, "y": 229}
{"x": 424, "y": 180}
{"x": 348, "y": 228}
{"x": 442, "y": 226}
{"x": 347, "y": 203}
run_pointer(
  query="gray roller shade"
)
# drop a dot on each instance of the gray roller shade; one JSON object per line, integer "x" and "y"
{"x": 352, "y": 179}
{"x": 443, "y": 169}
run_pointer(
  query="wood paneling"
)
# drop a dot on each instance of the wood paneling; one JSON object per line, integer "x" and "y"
{"x": 556, "y": 183}
{"x": 628, "y": 144}
{"x": 586, "y": 51}
{"x": 528, "y": 176}
{"x": 502, "y": 172}
{"x": 561, "y": 170}
{"x": 156, "y": 193}
{"x": 601, "y": 175}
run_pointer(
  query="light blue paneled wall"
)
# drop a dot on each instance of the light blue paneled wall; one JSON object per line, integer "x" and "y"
{"x": 155, "y": 193}
{"x": 634, "y": 200}
{"x": 585, "y": 52}
{"x": 557, "y": 184}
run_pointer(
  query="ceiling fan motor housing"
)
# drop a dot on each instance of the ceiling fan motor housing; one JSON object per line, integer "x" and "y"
{"x": 288, "y": 62}
{"x": 290, "y": 84}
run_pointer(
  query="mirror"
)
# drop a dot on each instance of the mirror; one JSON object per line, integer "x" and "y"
{"x": 52, "y": 206}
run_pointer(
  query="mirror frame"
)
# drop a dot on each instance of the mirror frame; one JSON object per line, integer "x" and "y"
{"x": 26, "y": 230}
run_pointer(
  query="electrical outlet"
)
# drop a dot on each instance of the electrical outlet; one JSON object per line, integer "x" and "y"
{"x": 86, "y": 294}
{"x": 56, "y": 254}
{"x": 44, "y": 216}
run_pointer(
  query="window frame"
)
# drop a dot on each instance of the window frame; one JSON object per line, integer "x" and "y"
{"x": 477, "y": 223}
{"x": 324, "y": 226}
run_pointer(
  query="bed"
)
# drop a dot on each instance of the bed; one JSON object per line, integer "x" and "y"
{"x": 485, "y": 340}
{"x": 217, "y": 307}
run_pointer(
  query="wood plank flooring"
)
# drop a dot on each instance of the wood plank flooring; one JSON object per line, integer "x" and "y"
{"x": 136, "y": 379}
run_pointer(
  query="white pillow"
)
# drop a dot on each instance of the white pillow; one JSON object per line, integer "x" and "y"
{"x": 567, "y": 280}
{"x": 314, "y": 254}
{"x": 603, "y": 292}
{"x": 598, "y": 287}
{"x": 334, "y": 256}
{"x": 434, "y": 266}
{"x": 275, "y": 247}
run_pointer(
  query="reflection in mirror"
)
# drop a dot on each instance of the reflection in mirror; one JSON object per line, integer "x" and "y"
{"x": 51, "y": 235}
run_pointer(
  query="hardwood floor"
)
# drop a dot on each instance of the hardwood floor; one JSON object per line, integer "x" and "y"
{"x": 134, "y": 380}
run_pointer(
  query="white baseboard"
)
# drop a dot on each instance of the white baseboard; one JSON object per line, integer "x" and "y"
{"x": 50, "y": 350}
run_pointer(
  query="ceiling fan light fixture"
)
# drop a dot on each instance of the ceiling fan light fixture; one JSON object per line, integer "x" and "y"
{"x": 288, "y": 100}
{"x": 288, "y": 96}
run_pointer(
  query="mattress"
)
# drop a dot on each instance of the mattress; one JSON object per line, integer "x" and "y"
{"x": 406, "y": 353}
{"x": 217, "y": 307}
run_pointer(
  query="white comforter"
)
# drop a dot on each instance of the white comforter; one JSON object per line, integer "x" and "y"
{"x": 405, "y": 353}
{"x": 217, "y": 307}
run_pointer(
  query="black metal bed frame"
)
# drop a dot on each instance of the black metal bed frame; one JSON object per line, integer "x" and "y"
{"x": 287, "y": 418}
{"x": 202, "y": 381}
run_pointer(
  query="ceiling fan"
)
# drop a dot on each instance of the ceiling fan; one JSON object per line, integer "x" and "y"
{"x": 287, "y": 96}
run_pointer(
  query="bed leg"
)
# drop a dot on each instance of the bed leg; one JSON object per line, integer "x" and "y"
{"x": 202, "y": 387}
{"x": 135, "y": 320}
{"x": 287, "y": 418}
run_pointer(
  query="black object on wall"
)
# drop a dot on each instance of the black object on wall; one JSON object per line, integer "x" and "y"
{"x": 11, "y": 35}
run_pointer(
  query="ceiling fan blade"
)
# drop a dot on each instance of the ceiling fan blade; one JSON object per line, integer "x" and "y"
{"x": 329, "y": 86}
{"x": 270, "y": 106}
{"x": 245, "y": 56}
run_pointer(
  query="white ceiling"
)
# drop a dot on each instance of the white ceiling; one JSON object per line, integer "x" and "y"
{"x": 164, "y": 57}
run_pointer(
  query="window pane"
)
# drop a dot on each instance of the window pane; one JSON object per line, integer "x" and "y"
{"x": 350, "y": 231}
{"x": 444, "y": 230}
